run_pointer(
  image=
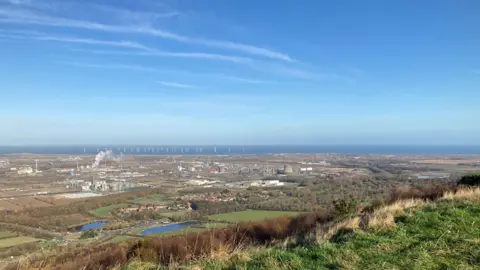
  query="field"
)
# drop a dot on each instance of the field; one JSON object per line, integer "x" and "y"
{"x": 171, "y": 214}
{"x": 105, "y": 211}
{"x": 6, "y": 205}
{"x": 7, "y": 234}
{"x": 250, "y": 215}
{"x": 155, "y": 199}
{"x": 447, "y": 161}
{"x": 30, "y": 202}
{"x": 14, "y": 241}
{"x": 72, "y": 220}
{"x": 22, "y": 203}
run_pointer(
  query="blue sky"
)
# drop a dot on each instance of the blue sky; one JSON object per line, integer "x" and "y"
{"x": 239, "y": 72}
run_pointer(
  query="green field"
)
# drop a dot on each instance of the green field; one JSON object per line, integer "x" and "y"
{"x": 106, "y": 211}
{"x": 250, "y": 215}
{"x": 14, "y": 241}
{"x": 7, "y": 234}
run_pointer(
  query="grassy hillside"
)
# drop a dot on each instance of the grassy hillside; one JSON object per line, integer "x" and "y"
{"x": 409, "y": 234}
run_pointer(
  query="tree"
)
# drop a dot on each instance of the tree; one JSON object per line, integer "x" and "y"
{"x": 88, "y": 234}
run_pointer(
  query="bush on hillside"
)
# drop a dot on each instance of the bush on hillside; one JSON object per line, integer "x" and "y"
{"x": 470, "y": 180}
{"x": 428, "y": 192}
{"x": 88, "y": 234}
{"x": 344, "y": 208}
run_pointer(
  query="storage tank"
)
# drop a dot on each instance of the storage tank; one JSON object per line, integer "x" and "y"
{"x": 287, "y": 169}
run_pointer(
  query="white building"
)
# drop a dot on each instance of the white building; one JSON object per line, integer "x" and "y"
{"x": 273, "y": 183}
{"x": 25, "y": 171}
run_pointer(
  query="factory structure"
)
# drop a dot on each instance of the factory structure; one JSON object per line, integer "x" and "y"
{"x": 287, "y": 169}
{"x": 4, "y": 163}
{"x": 26, "y": 170}
{"x": 99, "y": 178}
{"x": 100, "y": 185}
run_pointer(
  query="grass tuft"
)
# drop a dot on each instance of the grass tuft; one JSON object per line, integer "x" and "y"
{"x": 465, "y": 194}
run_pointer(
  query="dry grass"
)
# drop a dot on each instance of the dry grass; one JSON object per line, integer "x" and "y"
{"x": 429, "y": 192}
{"x": 349, "y": 224}
{"x": 383, "y": 218}
{"x": 464, "y": 194}
{"x": 381, "y": 221}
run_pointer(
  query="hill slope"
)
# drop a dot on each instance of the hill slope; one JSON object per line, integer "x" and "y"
{"x": 409, "y": 234}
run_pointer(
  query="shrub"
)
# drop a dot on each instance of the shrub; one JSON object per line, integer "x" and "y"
{"x": 88, "y": 234}
{"x": 429, "y": 192}
{"x": 344, "y": 208}
{"x": 470, "y": 180}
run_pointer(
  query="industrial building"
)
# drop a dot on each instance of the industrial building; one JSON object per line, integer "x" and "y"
{"x": 287, "y": 169}
{"x": 100, "y": 185}
{"x": 25, "y": 170}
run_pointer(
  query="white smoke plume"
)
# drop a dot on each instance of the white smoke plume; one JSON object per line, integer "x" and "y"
{"x": 104, "y": 155}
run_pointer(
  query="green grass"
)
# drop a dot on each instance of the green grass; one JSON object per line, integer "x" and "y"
{"x": 14, "y": 241}
{"x": 250, "y": 215}
{"x": 106, "y": 211}
{"x": 439, "y": 236}
{"x": 7, "y": 234}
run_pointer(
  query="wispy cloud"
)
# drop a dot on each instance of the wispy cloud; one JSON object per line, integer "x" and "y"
{"x": 141, "y": 68}
{"x": 128, "y": 16}
{"x": 112, "y": 66}
{"x": 15, "y": 16}
{"x": 144, "y": 50}
{"x": 245, "y": 80}
{"x": 176, "y": 85}
{"x": 124, "y": 44}
{"x": 18, "y": 2}
{"x": 159, "y": 53}
{"x": 300, "y": 71}
{"x": 476, "y": 71}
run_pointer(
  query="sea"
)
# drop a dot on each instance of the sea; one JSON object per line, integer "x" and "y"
{"x": 245, "y": 149}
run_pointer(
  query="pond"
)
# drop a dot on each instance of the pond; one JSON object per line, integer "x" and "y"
{"x": 167, "y": 228}
{"x": 92, "y": 226}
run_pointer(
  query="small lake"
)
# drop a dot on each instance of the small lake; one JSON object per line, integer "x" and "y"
{"x": 92, "y": 226}
{"x": 167, "y": 228}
